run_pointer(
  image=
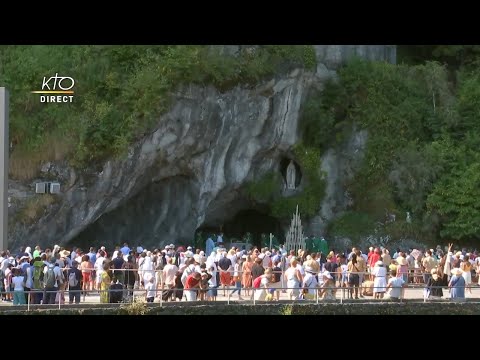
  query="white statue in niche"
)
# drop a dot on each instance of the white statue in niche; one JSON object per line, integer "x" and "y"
{"x": 291, "y": 175}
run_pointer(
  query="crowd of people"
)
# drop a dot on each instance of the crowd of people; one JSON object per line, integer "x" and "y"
{"x": 179, "y": 273}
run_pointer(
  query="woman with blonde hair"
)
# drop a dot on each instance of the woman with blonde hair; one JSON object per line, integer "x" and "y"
{"x": 294, "y": 279}
{"x": 247, "y": 274}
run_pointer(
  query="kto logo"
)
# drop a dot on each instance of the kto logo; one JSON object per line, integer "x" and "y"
{"x": 56, "y": 85}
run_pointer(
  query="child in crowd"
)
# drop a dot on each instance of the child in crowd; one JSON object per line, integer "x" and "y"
{"x": 150, "y": 288}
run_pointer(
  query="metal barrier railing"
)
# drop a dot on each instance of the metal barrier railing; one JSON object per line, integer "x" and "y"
{"x": 160, "y": 286}
{"x": 143, "y": 293}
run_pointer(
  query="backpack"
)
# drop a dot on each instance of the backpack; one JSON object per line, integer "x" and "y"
{"x": 50, "y": 278}
{"x": 72, "y": 279}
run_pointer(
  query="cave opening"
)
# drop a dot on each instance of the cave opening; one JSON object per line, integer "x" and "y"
{"x": 254, "y": 221}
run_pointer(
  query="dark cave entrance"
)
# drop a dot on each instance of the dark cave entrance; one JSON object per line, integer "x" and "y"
{"x": 249, "y": 220}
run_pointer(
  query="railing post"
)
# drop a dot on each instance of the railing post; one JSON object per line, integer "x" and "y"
{"x": 28, "y": 301}
{"x": 228, "y": 298}
{"x": 342, "y": 296}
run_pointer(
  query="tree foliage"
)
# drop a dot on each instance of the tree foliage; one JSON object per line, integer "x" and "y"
{"x": 120, "y": 91}
{"x": 422, "y": 149}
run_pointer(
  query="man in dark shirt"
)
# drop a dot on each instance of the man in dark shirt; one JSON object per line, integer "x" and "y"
{"x": 117, "y": 265}
{"x": 331, "y": 267}
{"x": 276, "y": 279}
{"x": 257, "y": 268}
{"x": 225, "y": 265}
{"x": 74, "y": 289}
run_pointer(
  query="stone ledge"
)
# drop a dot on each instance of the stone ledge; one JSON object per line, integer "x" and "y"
{"x": 281, "y": 308}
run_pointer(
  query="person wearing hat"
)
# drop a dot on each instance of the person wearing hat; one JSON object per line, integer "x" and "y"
{"x": 309, "y": 284}
{"x": 189, "y": 252}
{"x": 457, "y": 285}
{"x": 402, "y": 267}
{"x": 379, "y": 272}
{"x": 434, "y": 286}
{"x": 327, "y": 290}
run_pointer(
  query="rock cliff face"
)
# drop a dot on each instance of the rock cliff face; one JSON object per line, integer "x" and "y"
{"x": 190, "y": 171}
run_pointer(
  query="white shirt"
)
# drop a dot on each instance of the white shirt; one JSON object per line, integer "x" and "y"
{"x": 99, "y": 264}
{"x": 263, "y": 282}
{"x": 29, "y": 283}
{"x": 17, "y": 281}
{"x": 300, "y": 268}
{"x": 169, "y": 272}
{"x": 5, "y": 263}
{"x": 233, "y": 258}
{"x": 236, "y": 268}
{"x": 396, "y": 289}
{"x": 150, "y": 287}
{"x": 311, "y": 282}
{"x": 115, "y": 253}
{"x": 379, "y": 271}
{"x": 266, "y": 261}
{"x": 213, "y": 281}
{"x": 219, "y": 239}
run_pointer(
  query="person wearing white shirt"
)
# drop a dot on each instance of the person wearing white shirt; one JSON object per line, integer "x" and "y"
{"x": 18, "y": 290}
{"x": 301, "y": 269}
{"x": 189, "y": 252}
{"x": 212, "y": 282}
{"x": 99, "y": 268}
{"x": 150, "y": 288}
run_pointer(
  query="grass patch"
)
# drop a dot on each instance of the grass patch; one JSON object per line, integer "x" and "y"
{"x": 120, "y": 92}
{"x": 35, "y": 208}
